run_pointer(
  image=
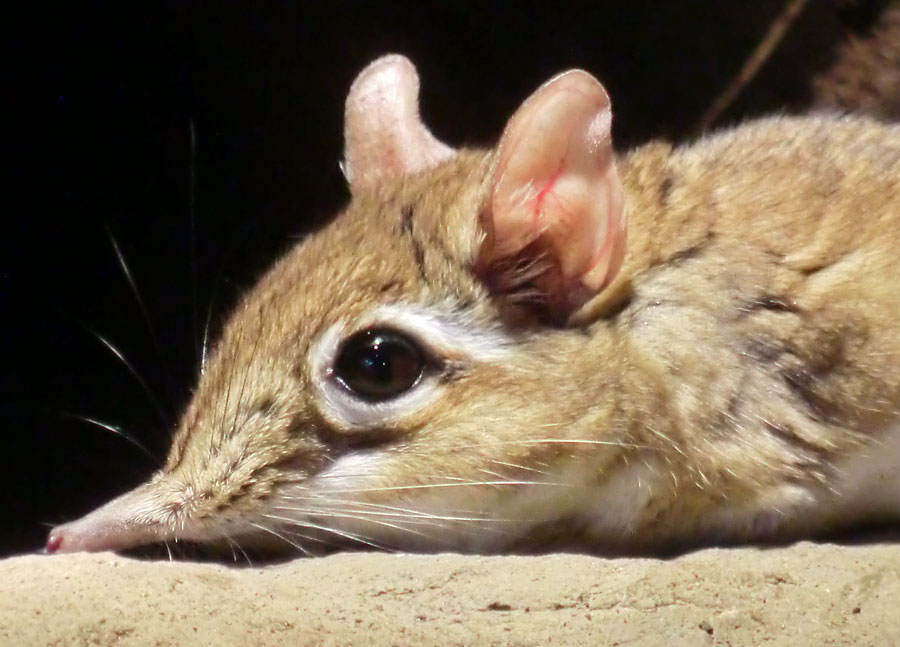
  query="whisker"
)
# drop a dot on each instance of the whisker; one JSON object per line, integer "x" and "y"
{"x": 339, "y": 515}
{"x": 339, "y": 477}
{"x": 233, "y": 245}
{"x": 351, "y": 513}
{"x": 208, "y": 321}
{"x": 517, "y": 466}
{"x": 396, "y": 510}
{"x": 160, "y": 411}
{"x": 281, "y": 537}
{"x": 204, "y": 344}
{"x": 192, "y": 236}
{"x": 470, "y": 525}
{"x": 167, "y": 380}
{"x": 463, "y": 483}
{"x": 233, "y": 545}
{"x": 417, "y": 518}
{"x": 109, "y": 427}
{"x": 244, "y": 553}
{"x": 450, "y": 514}
{"x": 496, "y": 475}
{"x": 557, "y": 441}
{"x": 340, "y": 533}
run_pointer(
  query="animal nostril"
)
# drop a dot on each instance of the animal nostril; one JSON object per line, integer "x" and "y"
{"x": 54, "y": 541}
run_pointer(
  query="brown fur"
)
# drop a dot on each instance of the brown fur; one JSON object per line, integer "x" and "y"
{"x": 759, "y": 345}
{"x": 749, "y": 344}
{"x": 865, "y": 77}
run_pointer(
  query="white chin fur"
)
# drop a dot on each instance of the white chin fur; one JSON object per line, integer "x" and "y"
{"x": 485, "y": 517}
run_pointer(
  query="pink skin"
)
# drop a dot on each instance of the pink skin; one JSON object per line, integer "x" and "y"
{"x": 54, "y": 542}
{"x": 384, "y": 136}
{"x": 132, "y": 519}
{"x": 556, "y": 180}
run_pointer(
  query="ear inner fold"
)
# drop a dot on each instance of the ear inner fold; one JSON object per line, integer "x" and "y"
{"x": 384, "y": 137}
{"x": 556, "y": 189}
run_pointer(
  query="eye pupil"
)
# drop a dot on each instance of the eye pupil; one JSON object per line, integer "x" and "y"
{"x": 379, "y": 364}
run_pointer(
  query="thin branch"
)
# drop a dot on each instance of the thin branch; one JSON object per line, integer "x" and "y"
{"x": 752, "y": 65}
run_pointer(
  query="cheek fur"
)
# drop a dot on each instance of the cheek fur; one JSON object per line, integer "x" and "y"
{"x": 348, "y": 473}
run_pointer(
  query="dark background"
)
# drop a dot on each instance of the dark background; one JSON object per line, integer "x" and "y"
{"x": 98, "y": 147}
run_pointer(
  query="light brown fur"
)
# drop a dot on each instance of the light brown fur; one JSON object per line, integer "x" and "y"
{"x": 865, "y": 76}
{"x": 749, "y": 344}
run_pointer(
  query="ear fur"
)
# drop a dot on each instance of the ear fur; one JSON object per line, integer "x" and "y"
{"x": 384, "y": 137}
{"x": 556, "y": 220}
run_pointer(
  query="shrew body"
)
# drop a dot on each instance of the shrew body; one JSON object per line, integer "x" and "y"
{"x": 475, "y": 356}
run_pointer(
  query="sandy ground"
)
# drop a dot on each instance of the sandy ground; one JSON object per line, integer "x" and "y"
{"x": 807, "y": 594}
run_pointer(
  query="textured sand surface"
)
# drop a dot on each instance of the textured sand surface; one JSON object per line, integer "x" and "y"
{"x": 807, "y": 594}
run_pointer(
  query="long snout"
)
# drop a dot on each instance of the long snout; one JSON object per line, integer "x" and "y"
{"x": 129, "y": 520}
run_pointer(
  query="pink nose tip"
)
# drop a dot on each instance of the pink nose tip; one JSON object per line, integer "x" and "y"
{"x": 54, "y": 541}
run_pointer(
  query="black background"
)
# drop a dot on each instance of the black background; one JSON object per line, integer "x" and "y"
{"x": 103, "y": 95}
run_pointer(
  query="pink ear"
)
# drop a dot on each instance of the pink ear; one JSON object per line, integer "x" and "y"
{"x": 383, "y": 135}
{"x": 556, "y": 194}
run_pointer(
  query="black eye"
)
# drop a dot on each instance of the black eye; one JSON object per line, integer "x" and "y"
{"x": 379, "y": 364}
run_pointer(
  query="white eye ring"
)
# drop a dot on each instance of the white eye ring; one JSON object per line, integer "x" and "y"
{"x": 440, "y": 334}
{"x": 346, "y": 410}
